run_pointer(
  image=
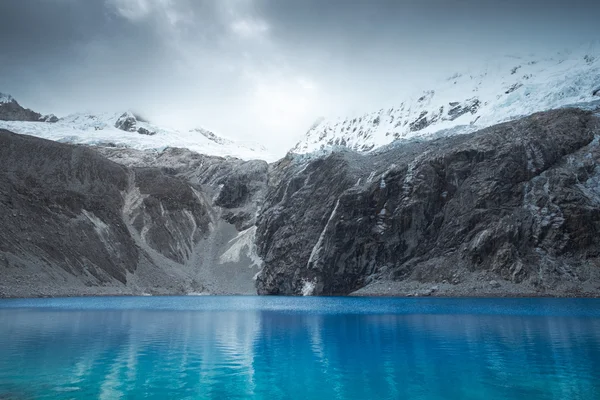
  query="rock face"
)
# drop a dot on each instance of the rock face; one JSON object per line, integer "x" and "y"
{"x": 236, "y": 187}
{"x": 74, "y": 222}
{"x": 51, "y": 118}
{"x": 126, "y": 122}
{"x": 144, "y": 131}
{"x": 510, "y": 210}
{"x": 10, "y": 110}
{"x": 518, "y": 201}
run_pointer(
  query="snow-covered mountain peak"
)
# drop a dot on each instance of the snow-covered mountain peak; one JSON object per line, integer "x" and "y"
{"x": 6, "y": 98}
{"x": 125, "y": 129}
{"x": 502, "y": 90}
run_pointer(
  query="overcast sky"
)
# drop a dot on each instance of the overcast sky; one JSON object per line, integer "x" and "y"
{"x": 262, "y": 70}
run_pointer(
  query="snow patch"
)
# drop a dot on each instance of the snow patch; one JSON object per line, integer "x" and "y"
{"x": 308, "y": 287}
{"x": 243, "y": 243}
{"x": 317, "y": 249}
{"x": 371, "y": 176}
{"x": 99, "y": 226}
{"x": 381, "y": 225}
{"x": 133, "y": 199}
{"x": 6, "y": 98}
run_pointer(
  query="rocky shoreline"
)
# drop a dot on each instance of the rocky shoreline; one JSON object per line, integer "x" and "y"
{"x": 479, "y": 288}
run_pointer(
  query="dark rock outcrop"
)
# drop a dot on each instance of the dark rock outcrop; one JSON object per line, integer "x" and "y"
{"x": 51, "y": 118}
{"x": 144, "y": 131}
{"x": 519, "y": 200}
{"x": 513, "y": 88}
{"x": 468, "y": 106}
{"x": 11, "y": 110}
{"x": 126, "y": 122}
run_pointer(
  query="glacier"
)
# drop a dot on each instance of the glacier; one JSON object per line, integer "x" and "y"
{"x": 101, "y": 130}
{"x": 504, "y": 89}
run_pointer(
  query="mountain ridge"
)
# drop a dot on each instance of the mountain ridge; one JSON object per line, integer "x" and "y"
{"x": 122, "y": 129}
{"x": 508, "y": 89}
{"x": 509, "y": 210}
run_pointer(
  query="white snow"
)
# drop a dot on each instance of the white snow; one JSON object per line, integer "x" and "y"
{"x": 308, "y": 287}
{"x": 5, "y": 98}
{"x": 99, "y": 226}
{"x": 381, "y": 226}
{"x": 243, "y": 243}
{"x": 371, "y": 176}
{"x": 503, "y": 90}
{"x": 99, "y": 129}
{"x": 319, "y": 246}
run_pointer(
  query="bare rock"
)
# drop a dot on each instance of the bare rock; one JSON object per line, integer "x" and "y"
{"x": 50, "y": 118}
{"x": 126, "y": 122}
{"x": 11, "y": 110}
{"x": 144, "y": 131}
{"x": 520, "y": 199}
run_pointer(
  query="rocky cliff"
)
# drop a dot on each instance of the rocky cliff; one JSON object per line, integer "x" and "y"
{"x": 74, "y": 222}
{"x": 513, "y": 209}
{"x": 516, "y": 205}
{"x": 11, "y": 110}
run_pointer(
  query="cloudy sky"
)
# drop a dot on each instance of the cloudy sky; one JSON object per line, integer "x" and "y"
{"x": 262, "y": 70}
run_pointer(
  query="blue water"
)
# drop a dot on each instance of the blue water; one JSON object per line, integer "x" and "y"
{"x": 299, "y": 348}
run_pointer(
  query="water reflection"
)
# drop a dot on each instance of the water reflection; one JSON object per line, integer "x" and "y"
{"x": 269, "y": 354}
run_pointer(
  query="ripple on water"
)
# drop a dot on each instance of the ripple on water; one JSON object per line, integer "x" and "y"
{"x": 295, "y": 348}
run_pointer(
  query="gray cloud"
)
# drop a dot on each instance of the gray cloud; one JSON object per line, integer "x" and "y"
{"x": 261, "y": 69}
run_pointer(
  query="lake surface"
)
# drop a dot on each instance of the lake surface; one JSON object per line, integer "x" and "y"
{"x": 299, "y": 348}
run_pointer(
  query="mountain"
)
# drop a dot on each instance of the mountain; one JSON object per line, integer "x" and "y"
{"x": 123, "y": 129}
{"x": 114, "y": 204}
{"x": 75, "y": 222}
{"x": 11, "y": 110}
{"x": 465, "y": 102}
{"x": 513, "y": 209}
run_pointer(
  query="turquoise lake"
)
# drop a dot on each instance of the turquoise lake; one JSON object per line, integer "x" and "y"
{"x": 299, "y": 348}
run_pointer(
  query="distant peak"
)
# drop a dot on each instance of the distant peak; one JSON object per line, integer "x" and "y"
{"x": 126, "y": 122}
{"x": 6, "y": 98}
{"x": 491, "y": 91}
